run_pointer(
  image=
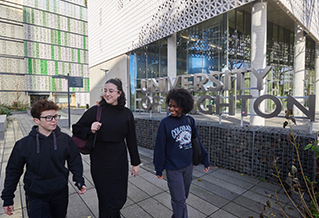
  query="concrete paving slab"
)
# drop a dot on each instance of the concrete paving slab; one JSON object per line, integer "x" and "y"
{"x": 198, "y": 171}
{"x": 240, "y": 211}
{"x": 248, "y": 203}
{"x": 224, "y": 184}
{"x": 72, "y": 189}
{"x": 148, "y": 187}
{"x": 242, "y": 181}
{"x": 193, "y": 212}
{"x": 86, "y": 166}
{"x": 91, "y": 202}
{"x": 135, "y": 211}
{"x": 208, "y": 196}
{"x": 164, "y": 198}
{"x": 225, "y": 193}
{"x": 263, "y": 199}
{"x": 161, "y": 183}
{"x": 239, "y": 176}
{"x": 155, "y": 208}
{"x": 128, "y": 202}
{"x": 88, "y": 179}
{"x": 136, "y": 194}
{"x": 276, "y": 191}
{"x": 77, "y": 207}
{"x": 222, "y": 214}
{"x": 203, "y": 206}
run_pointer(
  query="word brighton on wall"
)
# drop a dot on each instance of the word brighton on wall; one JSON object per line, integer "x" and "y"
{"x": 198, "y": 82}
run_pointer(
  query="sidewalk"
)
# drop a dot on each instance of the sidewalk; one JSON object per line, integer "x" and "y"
{"x": 216, "y": 194}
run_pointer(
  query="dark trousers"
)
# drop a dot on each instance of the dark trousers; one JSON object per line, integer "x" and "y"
{"x": 179, "y": 182}
{"x": 54, "y": 206}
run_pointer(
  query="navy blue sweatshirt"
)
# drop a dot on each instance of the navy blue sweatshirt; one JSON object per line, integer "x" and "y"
{"x": 173, "y": 146}
{"x": 44, "y": 158}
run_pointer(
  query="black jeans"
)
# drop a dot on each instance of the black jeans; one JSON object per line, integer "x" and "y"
{"x": 54, "y": 206}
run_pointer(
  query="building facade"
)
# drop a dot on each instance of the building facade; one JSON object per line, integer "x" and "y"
{"x": 50, "y": 39}
{"x": 138, "y": 40}
{"x": 12, "y": 77}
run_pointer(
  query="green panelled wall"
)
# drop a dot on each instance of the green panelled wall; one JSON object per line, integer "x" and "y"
{"x": 55, "y": 43}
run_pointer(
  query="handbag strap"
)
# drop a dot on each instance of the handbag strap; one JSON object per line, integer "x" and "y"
{"x": 189, "y": 121}
{"x": 99, "y": 113}
{"x": 98, "y": 118}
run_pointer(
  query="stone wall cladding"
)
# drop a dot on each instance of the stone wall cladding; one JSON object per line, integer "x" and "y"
{"x": 249, "y": 150}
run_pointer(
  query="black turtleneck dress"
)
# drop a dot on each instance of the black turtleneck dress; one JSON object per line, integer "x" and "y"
{"x": 109, "y": 159}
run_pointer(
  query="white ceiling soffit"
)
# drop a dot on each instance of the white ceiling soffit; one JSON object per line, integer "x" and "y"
{"x": 305, "y": 12}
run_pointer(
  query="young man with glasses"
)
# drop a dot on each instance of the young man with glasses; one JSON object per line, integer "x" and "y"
{"x": 44, "y": 152}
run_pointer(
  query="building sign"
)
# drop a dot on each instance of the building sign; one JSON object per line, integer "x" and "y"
{"x": 197, "y": 82}
{"x": 75, "y": 81}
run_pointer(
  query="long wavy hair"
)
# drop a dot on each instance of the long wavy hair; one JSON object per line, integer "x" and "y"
{"x": 121, "y": 100}
{"x": 182, "y": 98}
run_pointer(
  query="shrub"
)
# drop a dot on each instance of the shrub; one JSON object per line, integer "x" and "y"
{"x": 292, "y": 184}
{"x": 4, "y": 110}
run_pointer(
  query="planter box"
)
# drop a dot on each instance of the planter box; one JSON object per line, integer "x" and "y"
{"x": 3, "y": 123}
{"x": 19, "y": 112}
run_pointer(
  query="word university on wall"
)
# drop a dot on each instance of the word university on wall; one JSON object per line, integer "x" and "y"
{"x": 197, "y": 83}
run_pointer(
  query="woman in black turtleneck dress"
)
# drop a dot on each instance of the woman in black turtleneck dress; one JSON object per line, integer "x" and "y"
{"x": 109, "y": 161}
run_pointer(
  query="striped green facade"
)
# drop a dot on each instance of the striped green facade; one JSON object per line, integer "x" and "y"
{"x": 55, "y": 43}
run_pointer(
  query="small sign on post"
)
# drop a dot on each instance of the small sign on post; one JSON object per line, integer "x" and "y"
{"x": 75, "y": 81}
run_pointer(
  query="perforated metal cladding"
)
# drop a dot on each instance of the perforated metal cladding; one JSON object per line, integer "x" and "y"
{"x": 139, "y": 23}
{"x": 122, "y": 26}
{"x": 173, "y": 16}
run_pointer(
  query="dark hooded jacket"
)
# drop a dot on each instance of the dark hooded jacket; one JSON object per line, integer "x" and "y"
{"x": 44, "y": 158}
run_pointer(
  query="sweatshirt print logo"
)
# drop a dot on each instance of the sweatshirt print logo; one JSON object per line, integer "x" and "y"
{"x": 182, "y": 135}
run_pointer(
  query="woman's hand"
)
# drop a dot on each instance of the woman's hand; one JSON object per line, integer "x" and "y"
{"x": 8, "y": 210}
{"x": 95, "y": 126}
{"x": 160, "y": 177}
{"x": 83, "y": 190}
{"x": 206, "y": 169}
{"x": 135, "y": 170}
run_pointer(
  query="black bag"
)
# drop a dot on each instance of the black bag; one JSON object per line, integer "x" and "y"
{"x": 86, "y": 146}
{"x": 197, "y": 150}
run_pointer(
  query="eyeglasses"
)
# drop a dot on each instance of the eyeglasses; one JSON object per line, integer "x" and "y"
{"x": 50, "y": 118}
{"x": 111, "y": 91}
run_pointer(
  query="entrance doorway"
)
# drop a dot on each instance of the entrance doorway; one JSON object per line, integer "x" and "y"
{"x": 35, "y": 98}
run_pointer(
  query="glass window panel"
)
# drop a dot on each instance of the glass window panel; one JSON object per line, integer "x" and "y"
{"x": 232, "y": 21}
{"x": 163, "y": 58}
{"x": 153, "y": 60}
{"x": 182, "y": 51}
{"x": 240, "y": 22}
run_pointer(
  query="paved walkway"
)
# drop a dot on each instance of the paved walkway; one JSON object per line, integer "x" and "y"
{"x": 217, "y": 194}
